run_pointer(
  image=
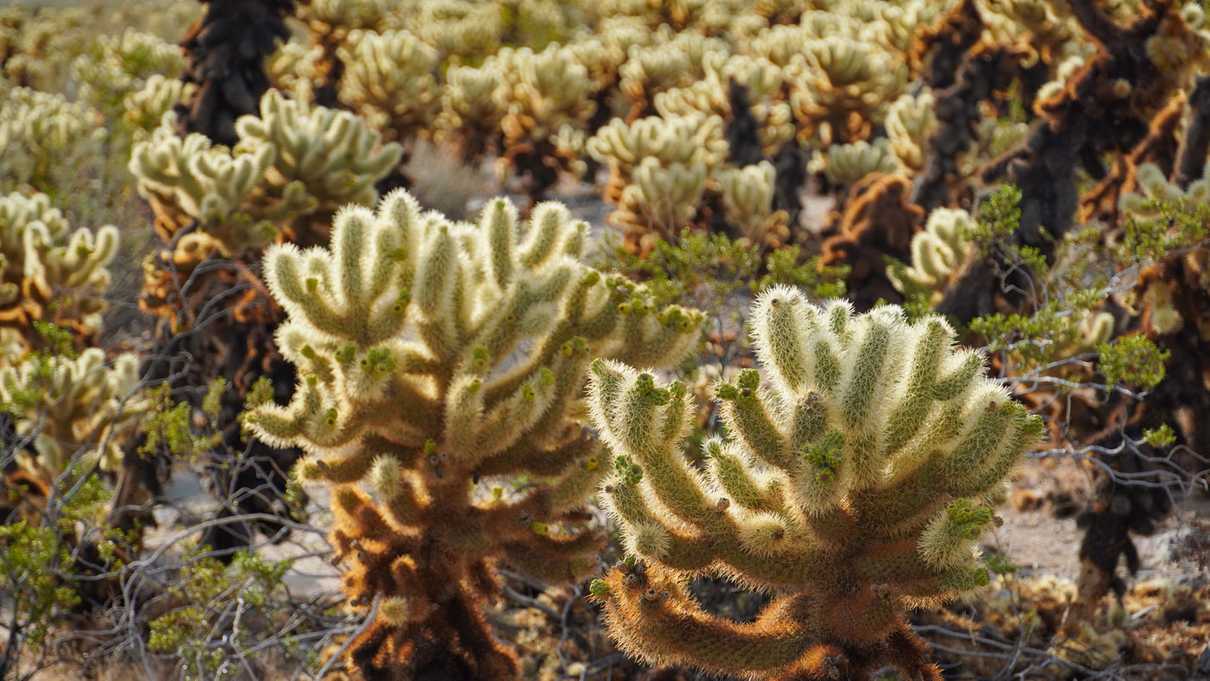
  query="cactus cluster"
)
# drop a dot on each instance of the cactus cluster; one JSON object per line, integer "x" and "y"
{"x": 938, "y": 252}
{"x": 121, "y": 65}
{"x": 42, "y": 134}
{"x": 75, "y": 411}
{"x": 852, "y": 484}
{"x": 291, "y": 162}
{"x": 439, "y": 364}
{"x": 49, "y": 272}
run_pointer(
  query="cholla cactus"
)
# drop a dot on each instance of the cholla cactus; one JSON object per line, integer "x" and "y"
{"x": 294, "y": 68}
{"x": 467, "y": 31}
{"x": 747, "y": 195}
{"x": 762, "y": 81}
{"x": 659, "y": 168}
{"x": 334, "y": 154}
{"x": 840, "y": 88}
{"x": 143, "y": 109}
{"x": 673, "y": 140}
{"x": 470, "y": 113}
{"x": 937, "y": 253}
{"x": 660, "y": 202}
{"x": 1181, "y": 47}
{"x": 49, "y": 272}
{"x": 343, "y": 16}
{"x": 852, "y": 485}
{"x": 190, "y": 180}
{"x": 332, "y": 22}
{"x": 784, "y": 44}
{"x": 898, "y": 24}
{"x": 41, "y": 134}
{"x": 71, "y": 407}
{"x": 909, "y": 122}
{"x": 120, "y": 65}
{"x": 664, "y": 65}
{"x": 543, "y": 95}
{"x": 390, "y": 80}
{"x": 1154, "y": 187}
{"x": 845, "y": 164}
{"x": 291, "y": 163}
{"x": 435, "y": 357}
{"x": 1041, "y": 31}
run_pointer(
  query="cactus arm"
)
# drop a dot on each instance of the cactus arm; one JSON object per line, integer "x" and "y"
{"x": 554, "y": 559}
{"x": 639, "y": 427}
{"x": 677, "y": 631}
{"x": 740, "y": 486}
{"x": 525, "y": 457}
{"x": 746, "y": 412}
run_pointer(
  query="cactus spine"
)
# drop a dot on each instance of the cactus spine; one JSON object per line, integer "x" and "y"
{"x": 439, "y": 362}
{"x": 851, "y": 485}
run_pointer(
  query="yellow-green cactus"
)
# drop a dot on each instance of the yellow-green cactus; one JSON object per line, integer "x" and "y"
{"x": 72, "y": 407}
{"x": 660, "y": 202}
{"x": 390, "y": 79}
{"x": 120, "y": 65}
{"x": 747, "y": 195}
{"x": 545, "y": 96}
{"x": 438, "y": 362}
{"x": 938, "y": 252}
{"x": 851, "y": 485}
{"x": 191, "y": 180}
{"x": 663, "y": 65}
{"x": 910, "y": 121}
{"x": 840, "y": 88}
{"x": 762, "y": 80}
{"x": 333, "y": 154}
{"x": 467, "y": 31}
{"x": 845, "y": 164}
{"x": 48, "y": 272}
{"x": 294, "y": 68}
{"x": 1154, "y": 189}
{"x": 293, "y": 161}
{"x": 470, "y": 113}
{"x": 143, "y": 109}
{"x": 42, "y": 135}
{"x": 673, "y": 140}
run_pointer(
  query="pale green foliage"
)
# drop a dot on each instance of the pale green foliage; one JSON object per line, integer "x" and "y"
{"x": 1161, "y": 217}
{"x": 866, "y": 416}
{"x": 1135, "y": 360}
{"x": 72, "y": 407}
